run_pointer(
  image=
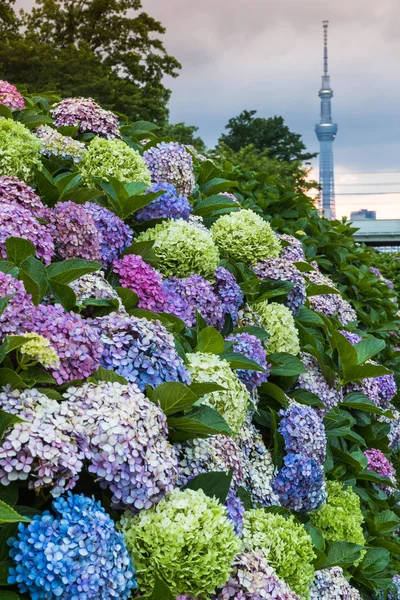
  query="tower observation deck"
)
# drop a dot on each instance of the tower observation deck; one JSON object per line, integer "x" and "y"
{"x": 326, "y": 133}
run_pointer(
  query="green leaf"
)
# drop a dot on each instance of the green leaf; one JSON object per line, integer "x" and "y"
{"x": 285, "y": 364}
{"x": 338, "y": 422}
{"x": 375, "y": 561}
{"x": 160, "y": 590}
{"x": 217, "y": 185}
{"x": 33, "y": 274}
{"x": 359, "y": 401}
{"x": 201, "y": 421}
{"x": 342, "y": 554}
{"x": 63, "y": 294}
{"x": 210, "y": 340}
{"x": 9, "y": 268}
{"x": 375, "y": 478}
{"x": 316, "y": 536}
{"x": 173, "y": 397}
{"x": 47, "y": 187}
{"x": 306, "y": 397}
{"x": 309, "y": 317}
{"x": 9, "y": 377}
{"x": 108, "y": 375}
{"x": 6, "y": 420}
{"x": 239, "y": 361}
{"x": 357, "y": 460}
{"x": 19, "y": 249}
{"x": 5, "y": 112}
{"x": 366, "y": 371}
{"x": 143, "y": 249}
{"x": 214, "y": 484}
{"x": 368, "y": 348}
{"x": 258, "y": 332}
{"x": 207, "y": 206}
{"x": 9, "y": 515}
{"x": 201, "y": 389}
{"x": 386, "y": 522}
{"x": 275, "y": 392}
{"x": 128, "y": 297}
{"x": 316, "y": 290}
{"x": 69, "y": 270}
{"x": 8, "y": 595}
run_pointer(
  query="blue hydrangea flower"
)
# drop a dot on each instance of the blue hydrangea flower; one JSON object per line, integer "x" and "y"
{"x": 75, "y": 555}
{"x": 229, "y": 292}
{"x": 251, "y": 347}
{"x": 170, "y": 205}
{"x": 300, "y": 483}
{"x": 115, "y": 234}
{"x": 303, "y": 431}
{"x": 235, "y": 511}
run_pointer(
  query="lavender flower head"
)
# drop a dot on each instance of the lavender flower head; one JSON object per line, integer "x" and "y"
{"x": 185, "y": 296}
{"x": 12, "y": 190}
{"x": 253, "y": 578}
{"x": 10, "y": 96}
{"x": 313, "y": 381}
{"x": 235, "y": 511}
{"x": 303, "y": 431}
{"x": 251, "y": 347}
{"x": 94, "y": 286}
{"x": 229, "y": 292}
{"x": 351, "y": 337}
{"x": 376, "y": 272}
{"x": 169, "y": 205}
{"x": 124, "y": 437}
{"x": 281, "y": 269}
{"x": 136, "y": 275}
{"x": 19, "y": 305}
{"x": 19, "y": 222}
{"x": 171, "y": 163}
{"x": 330, "y": 304}
{"x": 42, "y": 447}
{"x": 76, "y": 233}
{"x": 75, "y": 553}
{"x": 86, "y": 114}
{"x": 230, "y": 196}
{"x": 294, "y": 252}
{"x": 378, "y": 462}
{"x": 331, "y": 584}
{"x": 300, "y": 483}
{"x": 115, "y": 234}
{"x": 76, "y": 342}
{"x": 141, "y": 351}
{"x": 54, "y": 144}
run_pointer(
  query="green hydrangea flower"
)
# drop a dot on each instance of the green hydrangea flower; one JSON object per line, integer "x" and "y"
{"x": 113, "y": 158}
{"x": 245, "y": 237}
{"x": 279, "y": 323}
{"x": 19, "y": 150}
{"x": 187, "y": 539}
{"x": 232, "y": 402}
{"x": 340, "y": 519}
{"x": 182, "y": 249}
{"x": 286, "y": 545}
{"x": 39, "y": 349}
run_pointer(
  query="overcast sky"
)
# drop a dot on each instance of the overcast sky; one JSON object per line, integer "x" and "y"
{"x": 267, "y": 55}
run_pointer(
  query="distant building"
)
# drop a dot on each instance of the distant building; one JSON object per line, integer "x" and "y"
{"x": 360, "y": 215}
{"x": 382, "y": 234}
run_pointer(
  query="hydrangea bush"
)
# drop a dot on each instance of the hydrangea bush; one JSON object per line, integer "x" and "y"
{"x": 19, "y": 150}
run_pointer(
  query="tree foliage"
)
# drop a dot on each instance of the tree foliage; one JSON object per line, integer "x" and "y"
{"x": 184, "y": 134}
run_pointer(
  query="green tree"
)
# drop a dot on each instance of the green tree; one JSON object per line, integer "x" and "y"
{"x": 96, "y": 48}
{"x": 184, "y": 134}
{"x": 265, "y": 134}
{"x": 8, "y": 19}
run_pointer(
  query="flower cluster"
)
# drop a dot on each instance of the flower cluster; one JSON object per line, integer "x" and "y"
{"x": 56, "y": 145}
{"x": 12, "y": 190}
{"x": 76, "y": 342}
{"x": 170, "y": 205}
{"x": 253, "y": 578}
{"x": 41, "y": 447}
{"x": 245, "y": 237}
{"x": 124, "y": 437}
{"x": 280, "y": 326}
{"x": 40, "y": 350}
{"x": 378, "y": 462}
{"x": 235, "y": 511}
{"x": 281, "y": 269}
{"x": 330, "y": 304}
{"x": 340, "y": 519}
{"x": 300, "y": 483}
{"x": 187, "y": 539}
{"x": 76, "y": 234}
{"x": 10, "y": 96}
{"x": 18, "y": 307}
{"x": 171, "y": 163}
{"x": 230, "y": 196}
{"x": 251, "y": 347}
{"x": 303, "y": 431}
{"x": 331, "y": 584}
{"x": 258, "y": 468}
{"x": 75, "y": 553}
{"x": 229, "y": 292}
{"x": 115, "y": 234}
{"x": 379, "y": 275}
{"x": 185, "y": 296}
{"x": 231, "y": 402}
{"x": 142, "y": 279}
{"x": 19, "y": 222}
{"x": 182, "y": 249}
{"x": 20, "y": 150}
{"x": 141, "y": 351}
{"x": 294, "y": 251}
{"x": 94, "y": 286}
{"x": 313, "y": 381}
{"x": 113, "y": 158}
{"x": 285, "y": 544}
{"x": 86, "y": 114}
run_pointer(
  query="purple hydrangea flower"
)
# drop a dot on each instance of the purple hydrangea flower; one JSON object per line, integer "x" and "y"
{"x": 75, "y": 553}
{"x": 18, "y": 307}
{"x": 230, "y": 196}
{"x": 94, "y": 286}
{"x": 229, "y": 292}
{"x": 303, "y": 431}
{"x": 235, "y": 511}
{"x": 281, "y": 269}
{"x": 141, "y": 351}
{"x": 41, "y": 448}
{"x": 86, "y": 114}
{"x": 19, "y": 222}
{"x": 313, "y": 381}
{"x": 331, "y": 584}
{"x": 185, "y": 296}
{"x": 171, "y": 163}
{"x": 170, "y": 205}
{"x": 10, "y": 96}
{"x": 115, "y": 234}
{"x": 76, "y": 342}
{"x": 351, "y": 337}
{"x": 124, "y": 437}
{"x": 294, "y": 252}
{"x": 142, "y": 279}
{"x": 300, "y": 483}
{"x": 76, "y": 233}
{"x": 253, "y": 578}
{"x": 330, "y": 304}
{"x": 12, "y": 190}
{"x": 376, "y": 272}
{"x": 251, "y": 347}
{"x": 378, "y": 462}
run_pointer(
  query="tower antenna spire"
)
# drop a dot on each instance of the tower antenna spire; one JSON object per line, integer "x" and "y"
{"x": 325, "y": 24}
